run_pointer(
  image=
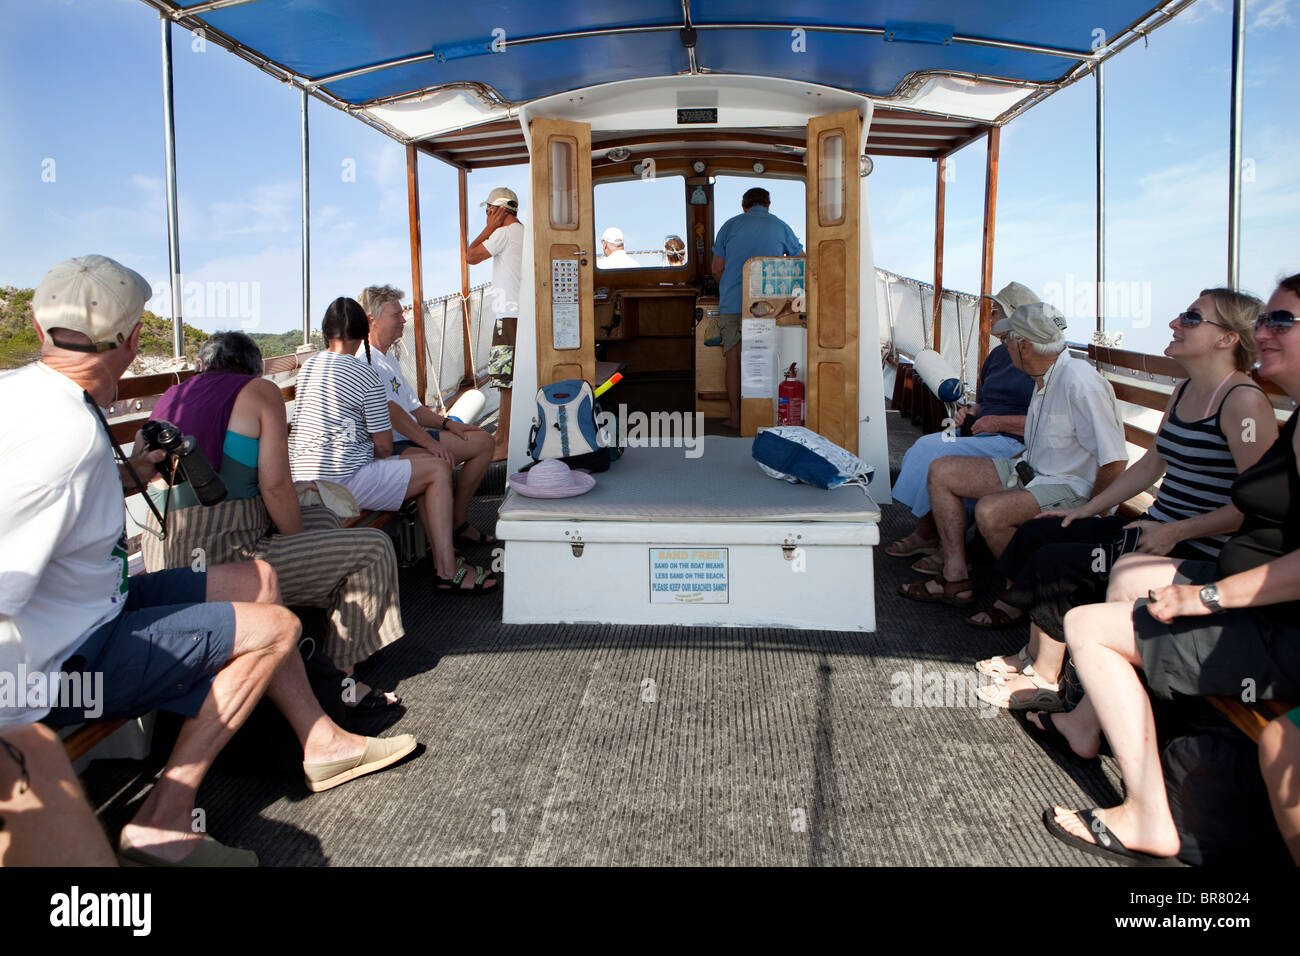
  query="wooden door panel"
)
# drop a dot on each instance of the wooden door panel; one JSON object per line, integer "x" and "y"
{"x": 833, "y": 193}
{"x": 562, "y": 231}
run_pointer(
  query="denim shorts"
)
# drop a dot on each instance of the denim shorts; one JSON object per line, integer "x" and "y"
{"x": 161, "y": 653}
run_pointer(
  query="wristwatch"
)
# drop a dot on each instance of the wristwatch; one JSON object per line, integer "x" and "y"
{"x": 1210, "y": 597}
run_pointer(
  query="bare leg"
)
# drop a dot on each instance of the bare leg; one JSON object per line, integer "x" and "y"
{"x": 1080, "y": 727}
{"x": 474, "y": 455}
{"x": 733, "y": 385}
{"x": 1136, "y": 574}
{"x": 47, "y": 821}
{"x": 265, "y": 636}
{"x": 431, "y": 480}
{"x": 1102, "y": 643}
{"x": 926, "y": 528}
{"x": 501, "y": 440}
{"x": 1279, "y": 761}
{"x": 952, "y": 478}
{"x": 999, "y": 515}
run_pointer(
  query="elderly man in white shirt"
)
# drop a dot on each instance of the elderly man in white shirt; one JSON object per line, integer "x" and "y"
{"x": 1074, "y": 448}
{"x": 613, "y": 255}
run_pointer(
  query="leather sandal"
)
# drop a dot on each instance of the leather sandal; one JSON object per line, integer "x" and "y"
{"x": 998, "y": 618}
{"x": 917, "y": 591}
{"x": 1046, "y": 698}
{"x": 902, "y": 549}
{"x": 208, "y": 853}
{"x": 931, "y": 564}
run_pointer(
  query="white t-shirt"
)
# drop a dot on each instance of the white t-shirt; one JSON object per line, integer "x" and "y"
{"x": 506, "y": 246}
{"x": 339, "y": 403}
{"x": 389, "y": 370}
{"x": 63, "y": 563}
{"x": 618, "y": 259}
{"x": 1073, "y": 426}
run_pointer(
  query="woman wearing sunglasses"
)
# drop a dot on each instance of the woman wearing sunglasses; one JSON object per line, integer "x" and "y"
{"x": 1200, "y": 628}
{"x": 1217, "y": 423}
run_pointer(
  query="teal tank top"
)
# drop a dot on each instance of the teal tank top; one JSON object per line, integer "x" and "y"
{"x": 238, "y": 470}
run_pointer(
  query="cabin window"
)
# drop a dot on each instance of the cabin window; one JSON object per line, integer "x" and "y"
{"x": 830, "y": 178}
{"x": 564, "y": 183}
{"x": 650, "y": 214}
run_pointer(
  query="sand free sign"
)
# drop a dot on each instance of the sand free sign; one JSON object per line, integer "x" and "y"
{"x": 688, "y": 575}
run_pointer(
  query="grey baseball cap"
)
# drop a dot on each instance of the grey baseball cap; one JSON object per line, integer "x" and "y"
{"x": 1036, "y": 322}
{"x": 1013, "y": 296}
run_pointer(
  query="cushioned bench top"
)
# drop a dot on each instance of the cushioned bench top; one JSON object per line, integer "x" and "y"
{"x": 722, "y": 484}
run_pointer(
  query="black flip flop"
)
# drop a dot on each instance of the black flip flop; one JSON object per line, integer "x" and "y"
{"x": 1052, "y": 737}
{"x": 1108, "y": 846}
{"x": 375, "y": 699}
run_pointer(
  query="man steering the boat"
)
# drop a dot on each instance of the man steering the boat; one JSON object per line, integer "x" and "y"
{"x": 755, "y": 232}
{"x": 1074, "y": 448}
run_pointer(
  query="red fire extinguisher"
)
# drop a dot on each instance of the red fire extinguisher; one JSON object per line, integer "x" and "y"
{"x": 789, "y": 402}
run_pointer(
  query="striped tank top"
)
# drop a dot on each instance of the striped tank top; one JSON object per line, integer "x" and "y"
{"x": 1199, "y": 470}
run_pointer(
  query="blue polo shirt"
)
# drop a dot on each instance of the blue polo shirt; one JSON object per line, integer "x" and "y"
{"x": 1004, "y": 389}
{"x": 755, "y": 232}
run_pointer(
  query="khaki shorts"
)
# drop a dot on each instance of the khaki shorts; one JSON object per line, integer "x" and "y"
{"x": 729, "y": 325}
{"x": 1050, "y": 496}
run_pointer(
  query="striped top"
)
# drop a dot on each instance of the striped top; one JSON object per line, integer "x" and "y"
{"x": 339, "y": 403}
{"x": 1199, "y": 470}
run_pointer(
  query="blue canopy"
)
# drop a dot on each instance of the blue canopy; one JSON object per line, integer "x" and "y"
{"x": 318, "y": 39}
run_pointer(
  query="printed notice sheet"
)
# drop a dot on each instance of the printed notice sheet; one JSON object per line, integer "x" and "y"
{"x": 758, "y": 358}
{"x": 688, "y": 575}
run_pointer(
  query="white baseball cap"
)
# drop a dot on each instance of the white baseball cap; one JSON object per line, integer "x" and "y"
{"x": 502, "y": 197}
{"x": 94, "y": 295}
{"x": 613, "y": 235}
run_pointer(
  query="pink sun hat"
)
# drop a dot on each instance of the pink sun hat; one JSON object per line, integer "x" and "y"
{"x": 551, "y": 479}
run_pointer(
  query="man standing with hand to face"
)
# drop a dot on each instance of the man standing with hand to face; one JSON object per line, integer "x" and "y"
{"x": 502, "y": 241}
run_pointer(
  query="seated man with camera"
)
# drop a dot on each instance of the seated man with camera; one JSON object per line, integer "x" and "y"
{"x": 1074, "y": 447}
{"x": 204, "y": 644}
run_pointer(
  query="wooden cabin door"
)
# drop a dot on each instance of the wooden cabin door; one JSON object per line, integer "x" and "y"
{"x": 832, "y": 276}
{"x": 563, "y": 250}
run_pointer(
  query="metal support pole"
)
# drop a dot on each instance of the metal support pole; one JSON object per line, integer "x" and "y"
{"x": 1234, "y": 149}
{"x": 173, "y": 222}
{"x": 990, "y": 221}
{"x": 1101, "y": 200}
{"x": 306, "y": 226}
{"x": 941, "y": 167}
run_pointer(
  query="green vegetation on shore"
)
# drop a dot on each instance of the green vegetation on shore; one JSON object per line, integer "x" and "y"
{"x": 19, "y": 344}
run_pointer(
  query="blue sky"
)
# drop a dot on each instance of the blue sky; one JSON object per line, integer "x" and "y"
{"x": 81, "y": 170}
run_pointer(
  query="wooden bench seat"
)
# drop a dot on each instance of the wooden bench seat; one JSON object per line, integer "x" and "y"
{"x": 1250, "y": 719}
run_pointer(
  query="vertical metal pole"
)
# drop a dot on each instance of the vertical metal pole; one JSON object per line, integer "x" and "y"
{"x": 941, "y": 167}
{"x": 173, "y": 222}
{"x": 306, "y": 225}
{"x": 1101, "y": 200}
{"x": 1234, "y": 150}
{"x": 986, "y": 255}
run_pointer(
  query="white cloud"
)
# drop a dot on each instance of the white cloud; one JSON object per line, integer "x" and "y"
{"x": 1269, "y": 14}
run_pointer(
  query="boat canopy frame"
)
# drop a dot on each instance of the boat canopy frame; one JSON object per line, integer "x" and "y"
{"x": 499, "y": 141}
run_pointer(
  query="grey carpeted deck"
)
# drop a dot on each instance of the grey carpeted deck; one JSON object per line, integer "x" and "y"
{"x": 636, "y": 745}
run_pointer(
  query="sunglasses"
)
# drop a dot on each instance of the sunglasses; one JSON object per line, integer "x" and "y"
{"x": 1191, "y": 319}
{"x": 1279, "y": 320}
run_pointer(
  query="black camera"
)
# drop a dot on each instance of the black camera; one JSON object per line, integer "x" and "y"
{"x": 1024, "y": 472}
{"x": 184, "y": 461}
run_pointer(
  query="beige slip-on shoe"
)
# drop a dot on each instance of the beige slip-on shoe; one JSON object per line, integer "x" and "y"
{"x": 208, "y": 853}
{"x": 379, "y": 753}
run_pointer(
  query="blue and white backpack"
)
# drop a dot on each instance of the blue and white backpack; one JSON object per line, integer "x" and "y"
{"x": 565, "y": 427}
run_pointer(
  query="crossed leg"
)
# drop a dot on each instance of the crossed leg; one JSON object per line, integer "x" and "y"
{"x": 1102, "y": 642}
